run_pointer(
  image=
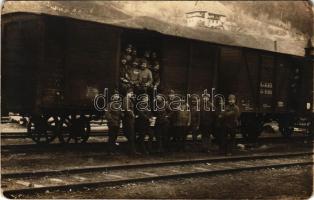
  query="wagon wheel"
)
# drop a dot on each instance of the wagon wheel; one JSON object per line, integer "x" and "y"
{"x": 42, "y": 129}
{"x": 74, "y": 129}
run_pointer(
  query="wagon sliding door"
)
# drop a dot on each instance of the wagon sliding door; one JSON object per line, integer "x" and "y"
{"x": 175, "y": 59}
{"x": 201, "y": 68}
{"x": 91, "y": 62}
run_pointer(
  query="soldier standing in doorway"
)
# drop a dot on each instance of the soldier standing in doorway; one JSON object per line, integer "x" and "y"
{"x": 127, "y": 53}
{"x": 133, "y": 74}
{"x": 156, "y": 74}
{"x": 124, "y": 75}
{"x": 145, "y": 77}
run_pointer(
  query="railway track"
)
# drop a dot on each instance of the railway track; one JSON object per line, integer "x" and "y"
{"x": 23, "y": 135}
{"x": 22, "y": 148}
{"x": 102, "y": 133}
{"x": 15, "y": 184}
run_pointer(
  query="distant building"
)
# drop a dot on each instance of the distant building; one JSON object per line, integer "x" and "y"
{"x": 205, "y": 19}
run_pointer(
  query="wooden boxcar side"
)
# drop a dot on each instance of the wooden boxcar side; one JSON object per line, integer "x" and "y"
{"x": 57, "y": 64}
{"x": 80, "y": 62}
{"x": 92, "y": 58}
{"x": 175, "y": 61}
{"x": 21, "y": 57}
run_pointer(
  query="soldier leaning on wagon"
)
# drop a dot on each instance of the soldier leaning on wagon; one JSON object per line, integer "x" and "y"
{"x": 113, "y": 116}
{"x": 143, "y": 126}
{"x": 162, "y": 124}
{"x": 128, "y": 120}
{"x": 229, "y": 125}
{"x": 181, "y": 123}
{"x": 145, "y": 77}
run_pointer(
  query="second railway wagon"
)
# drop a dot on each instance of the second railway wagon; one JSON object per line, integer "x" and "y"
{"x": 53, "y": 67}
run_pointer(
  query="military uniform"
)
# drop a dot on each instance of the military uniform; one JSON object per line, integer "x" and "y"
{"x": 171, "y": 119}
{"x": 161, "y": 128}
{"x": 147, "y": 57}
{"x": 124, "y": 78}
{"x": 156, "y": 74}
{"x": 143, "y": 128}
{"x": 195, "y": 122}
{"x": 113, "y": 117}
{"x": 126, "y": 69}
{"x": 128, "y": 122}
{"x": 181, "y": 123}
{"x": 145, "y": 80}
{"x": 145, "y": 77}
{"x": 127, "y": 54}
{"x": 133, "y": 74}
{"x": 206, "y": 126}
{"x": 229, "y": 123}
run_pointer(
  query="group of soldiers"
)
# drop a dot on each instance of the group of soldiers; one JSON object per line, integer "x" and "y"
{"x": 139, "y": 73}
{"x": 170, "y": 127}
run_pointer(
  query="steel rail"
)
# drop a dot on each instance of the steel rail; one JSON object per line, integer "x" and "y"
{"x": 78, "y": 186}
{"x": 13, "y": 135}
{"x": 37, "y": 147}
{"x": 147, "y": 165}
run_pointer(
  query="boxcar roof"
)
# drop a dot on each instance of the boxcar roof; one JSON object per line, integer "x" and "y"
{"x": 158, "y": 17}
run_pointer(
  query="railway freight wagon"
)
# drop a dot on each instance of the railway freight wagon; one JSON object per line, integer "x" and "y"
{"x": 53, "y": 67}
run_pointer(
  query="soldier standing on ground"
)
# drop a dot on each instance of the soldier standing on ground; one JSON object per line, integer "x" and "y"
{"x": 171, "y": 118}
{"x": 229, "y": 119}
{"x": 128, "y": 121}
{"x": 113, "y": 116}
{"x": 143, "y": 122}
{"x": 162, "y": 124}
{"x": 195, "y": 118}
{"x": 206, "y": 125}
{"x": 181, "y": 123}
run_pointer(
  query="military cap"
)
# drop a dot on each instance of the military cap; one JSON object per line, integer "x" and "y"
{"x": 147, "y": 53}
{"x": 136, "y": 60}
{"x": 129, "y": 46}
{"x": 231, "y": 96}
{"x": 143, "y": 60}
{"x": 130, "y": 89}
